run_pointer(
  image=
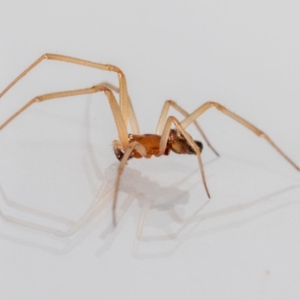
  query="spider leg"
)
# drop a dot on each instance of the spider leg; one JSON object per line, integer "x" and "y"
{"x": 199, "y": 111}
{"x": 132, "y": 119}
{"x": 120, "y": 123}
{"x": 131, "y": 147}
{"x": 124, "y": 100}
{"x": 163, "y": 118}
{"x": 164, "y": 139}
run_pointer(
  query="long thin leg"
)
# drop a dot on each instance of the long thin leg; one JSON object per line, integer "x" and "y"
{"x": 124, "y": 100}
{"x": 163, "y": 143}
{"x": 120, "y": 123}
{"x": 193, "y": 116}
{"x": 163, "y": 117}
{"x": 131, "y": 147}
{"x": 132, "y": 119}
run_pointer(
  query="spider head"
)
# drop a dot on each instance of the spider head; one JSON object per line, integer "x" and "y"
{"x": 119, "y": 150}
{"x": 179, "y": 144}
{"x": 120, "y": 153}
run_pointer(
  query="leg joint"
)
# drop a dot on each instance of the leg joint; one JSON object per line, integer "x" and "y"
{"x": 214, "y": 104}
{"x": 114, "y": 69}
{"x": 170, "y": 102}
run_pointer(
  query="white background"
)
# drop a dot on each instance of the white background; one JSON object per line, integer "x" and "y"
{"x": 57, "y": 165}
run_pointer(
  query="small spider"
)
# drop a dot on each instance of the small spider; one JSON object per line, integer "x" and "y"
{"x": 136, "y": 145}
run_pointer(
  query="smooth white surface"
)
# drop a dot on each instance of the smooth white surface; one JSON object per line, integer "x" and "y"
{"x": 57, "y": 164}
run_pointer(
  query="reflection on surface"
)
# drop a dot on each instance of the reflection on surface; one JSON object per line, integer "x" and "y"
{"x": 151, "y": 197}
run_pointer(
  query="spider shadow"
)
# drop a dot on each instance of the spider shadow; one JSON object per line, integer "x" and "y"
{"x": 136, "y": 187}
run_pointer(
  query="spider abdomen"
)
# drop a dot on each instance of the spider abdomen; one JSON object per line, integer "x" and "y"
{"x": 179, "y": 144}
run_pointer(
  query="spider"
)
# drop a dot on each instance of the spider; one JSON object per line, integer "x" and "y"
{"x": 135, "y": 145}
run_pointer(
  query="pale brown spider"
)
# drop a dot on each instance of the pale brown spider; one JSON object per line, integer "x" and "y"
{"x": 136, "y": 145}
